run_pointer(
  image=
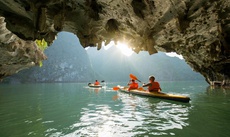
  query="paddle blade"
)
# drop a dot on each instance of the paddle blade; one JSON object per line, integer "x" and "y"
{"x": 102, "y": 81}
{"x": 133, "y": 77}
{"x": 116, "y": 88}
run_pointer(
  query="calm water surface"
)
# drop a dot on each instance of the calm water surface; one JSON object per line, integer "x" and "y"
{"x": 73, "y": 109}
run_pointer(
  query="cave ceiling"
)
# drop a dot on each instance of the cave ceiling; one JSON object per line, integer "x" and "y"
{"x": 197, "y": 29}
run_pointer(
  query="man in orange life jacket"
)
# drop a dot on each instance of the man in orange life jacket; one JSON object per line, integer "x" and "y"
{"x": 132, "y": 85}
{"x": 153, "y": 86}
{"x": 96, "y": 83}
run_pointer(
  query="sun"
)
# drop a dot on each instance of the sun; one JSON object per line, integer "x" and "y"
{"x": 127, "y": 51}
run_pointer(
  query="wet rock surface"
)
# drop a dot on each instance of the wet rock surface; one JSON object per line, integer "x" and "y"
{"x": 197, "y": 29}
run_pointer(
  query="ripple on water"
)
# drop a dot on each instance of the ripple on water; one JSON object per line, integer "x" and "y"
{"x": 68, "y": 110}
{"x": 135, "y": 116}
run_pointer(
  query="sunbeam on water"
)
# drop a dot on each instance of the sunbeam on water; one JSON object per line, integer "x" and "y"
{"x": 131, "y": 116}
{"x": 130, "y": 119}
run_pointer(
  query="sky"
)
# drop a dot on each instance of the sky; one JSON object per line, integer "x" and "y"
{"x": 128, "y": 51}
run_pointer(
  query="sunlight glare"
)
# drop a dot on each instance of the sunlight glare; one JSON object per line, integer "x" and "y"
{"x": 127, "y": 51}
{"x": 86, "y": 48}
{"x": 106, "y": 47}
{"x": 124, "y": 49}
{"x": 173, "y": 54}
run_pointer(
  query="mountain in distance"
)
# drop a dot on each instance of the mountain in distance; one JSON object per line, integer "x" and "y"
{"x": 67, "y": 61}
{"x": 112, "y": 65}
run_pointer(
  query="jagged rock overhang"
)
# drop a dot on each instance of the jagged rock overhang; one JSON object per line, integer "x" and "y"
{"x": 197, "y": 29}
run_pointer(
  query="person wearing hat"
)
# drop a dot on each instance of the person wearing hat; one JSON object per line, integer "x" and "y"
{"x": 153, "y": 86}
{"x": 132, "y": 85}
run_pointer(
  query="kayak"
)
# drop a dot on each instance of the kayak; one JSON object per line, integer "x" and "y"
{"x": 94, "y": 86}
{"x": 160, "y": 95}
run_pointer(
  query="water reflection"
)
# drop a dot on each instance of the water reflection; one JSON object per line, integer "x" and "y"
{"x": 131, "y": 116}
{"x": 217, "y": 90}
{"x": 70, "y": 109}
{"x": 96, "y": 90}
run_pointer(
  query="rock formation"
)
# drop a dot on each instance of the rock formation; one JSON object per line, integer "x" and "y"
{"x": 197, "y": 29}
{"x": 16, "y": 54}
{"x": 67, "y": 62}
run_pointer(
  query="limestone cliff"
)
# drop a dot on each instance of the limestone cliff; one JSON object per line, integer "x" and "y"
{"x": 67, "y": 62}
{"x": 197, "y": 29}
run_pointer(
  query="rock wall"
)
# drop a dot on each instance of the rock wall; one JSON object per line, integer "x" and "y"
{"x": 15, "y": 53}
{"x": 197, "y": 29}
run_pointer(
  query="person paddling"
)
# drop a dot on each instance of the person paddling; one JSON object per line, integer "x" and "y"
{"x": 132, "y": 85}
{"x": 153, "y": 86}
{"x": 96, "y": 82}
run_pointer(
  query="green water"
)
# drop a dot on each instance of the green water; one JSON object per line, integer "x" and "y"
{"x": 71, "y": 109}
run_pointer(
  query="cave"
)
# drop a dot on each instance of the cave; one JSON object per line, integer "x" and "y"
{"x": 199, "y": 30}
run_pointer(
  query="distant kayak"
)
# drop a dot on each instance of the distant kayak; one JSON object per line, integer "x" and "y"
{"x": 94, "y": 86}
{"x": 161, "y": 95}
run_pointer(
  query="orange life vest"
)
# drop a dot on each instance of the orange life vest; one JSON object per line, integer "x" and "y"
{"x": 97, "y": 83}
{"x": 133, "y": 85}
{"x": 155, "y": 86}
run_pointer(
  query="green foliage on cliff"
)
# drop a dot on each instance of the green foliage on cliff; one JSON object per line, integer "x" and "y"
{"x": 42, "y": 44}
